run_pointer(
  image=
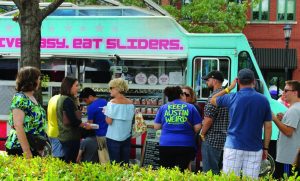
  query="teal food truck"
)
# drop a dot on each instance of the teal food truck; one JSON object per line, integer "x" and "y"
{"x": 149, "y": 50}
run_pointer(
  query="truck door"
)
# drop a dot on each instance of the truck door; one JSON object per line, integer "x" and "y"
{"x": 202, "y": 66}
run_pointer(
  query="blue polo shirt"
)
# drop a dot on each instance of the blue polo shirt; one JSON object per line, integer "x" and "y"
{"x": 177, "y": 119}
{"x": 248, "y": 110}
{"x": 94, "y": 112}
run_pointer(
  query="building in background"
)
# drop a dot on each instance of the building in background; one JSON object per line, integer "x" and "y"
{"x": 265, "y": 33}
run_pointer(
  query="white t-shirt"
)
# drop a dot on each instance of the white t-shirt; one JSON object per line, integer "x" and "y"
{"x": 287, "y": 147}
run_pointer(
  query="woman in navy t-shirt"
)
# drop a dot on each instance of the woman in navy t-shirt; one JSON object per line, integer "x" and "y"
{"x": 179, "y": 121}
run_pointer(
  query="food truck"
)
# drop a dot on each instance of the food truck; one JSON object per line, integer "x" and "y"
{"x": 150, "y": 51}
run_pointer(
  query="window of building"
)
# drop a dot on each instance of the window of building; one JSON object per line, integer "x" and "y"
{"x": 286, "y": 10}
{"x": 261, "y": 11}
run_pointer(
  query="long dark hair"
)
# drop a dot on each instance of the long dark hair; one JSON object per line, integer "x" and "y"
{"x": 66, "y": 86}
{"x": 27, "y": 79}
{"x": 173, "y": 93}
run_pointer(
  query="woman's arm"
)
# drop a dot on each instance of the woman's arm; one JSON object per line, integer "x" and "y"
{"x": 108, "y": 120}
{"x": 157, "y": 126}
{"x": 18, "y": 117}
{"x": 69, "y": 107}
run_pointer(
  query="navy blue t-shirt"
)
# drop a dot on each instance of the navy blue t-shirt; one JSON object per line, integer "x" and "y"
{"x": 94, "y": 112}
{"x": 248, "y": 110}
{"x": 177, "y": 119}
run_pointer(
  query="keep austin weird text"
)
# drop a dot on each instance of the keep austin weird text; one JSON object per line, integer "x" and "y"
{"x": 97, "y": 43}
{"x": 176, "y": 114}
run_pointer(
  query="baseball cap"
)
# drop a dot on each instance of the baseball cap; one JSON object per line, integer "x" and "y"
{"x": 246, "y": 74}
{"x": 215, "y": 75}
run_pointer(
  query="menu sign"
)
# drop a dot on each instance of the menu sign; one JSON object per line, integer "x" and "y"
{"x": 150, "y": 155}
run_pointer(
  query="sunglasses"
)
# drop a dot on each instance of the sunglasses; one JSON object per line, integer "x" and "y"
{"x": 110, "y": 88}
{"x": 287, "y": 90}
{"x": 186, "y": 94}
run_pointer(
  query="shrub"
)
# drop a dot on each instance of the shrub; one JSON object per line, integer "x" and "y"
{"x": 19, "y": 168}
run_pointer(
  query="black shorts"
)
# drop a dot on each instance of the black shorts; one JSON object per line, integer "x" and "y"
{"x": 171, "y": 156}
{"x": 19, "y": 152}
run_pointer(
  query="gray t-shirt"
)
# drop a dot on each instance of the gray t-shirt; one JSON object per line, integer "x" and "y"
{"x": 287, "y": 147}
{"x": 89, "y": 147}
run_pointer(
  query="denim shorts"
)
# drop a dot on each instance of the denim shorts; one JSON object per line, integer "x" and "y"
{"x": 56, "y": 148}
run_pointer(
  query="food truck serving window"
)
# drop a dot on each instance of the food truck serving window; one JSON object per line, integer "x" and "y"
{"x": 204, "y": 65}
{"x": 149, "y": 72}
{"x": 8, "y": 69}
{"x": 142, "y": 72}
{"x": 53, "y": 68}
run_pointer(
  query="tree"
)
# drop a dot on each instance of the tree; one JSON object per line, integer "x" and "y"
{"x": 211, "y": 16}
{"x": 30, "y": 18}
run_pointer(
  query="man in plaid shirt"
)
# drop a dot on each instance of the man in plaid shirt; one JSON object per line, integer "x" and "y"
{"x": 215, "y": 124}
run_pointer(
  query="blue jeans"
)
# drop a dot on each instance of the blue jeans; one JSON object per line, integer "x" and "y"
{"x": 211, "y": 158}
{"x": 119, "y": 151}
{"x": 56, "y": 148}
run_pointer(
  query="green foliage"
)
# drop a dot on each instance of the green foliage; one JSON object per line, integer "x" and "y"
{"x": 45, "y": 79}
{"x": 201, "y": 16}
{"x": 138, "y": 3}
{"x": 211, "y": 16}
{"x": 19, "y": 168}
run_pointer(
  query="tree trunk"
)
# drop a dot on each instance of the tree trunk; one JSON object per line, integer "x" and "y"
{"x": 30, "y": 27}
{"x": 30, "y": 22}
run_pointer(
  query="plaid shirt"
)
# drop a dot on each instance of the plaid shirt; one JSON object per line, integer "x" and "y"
{"x": 216, "y": 134}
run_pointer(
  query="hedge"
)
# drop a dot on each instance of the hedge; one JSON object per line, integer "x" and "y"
{"x": 19, "y": 168}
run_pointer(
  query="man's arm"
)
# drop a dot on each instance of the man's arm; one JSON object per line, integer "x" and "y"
{"x": 267, "y": 133}
{"x": 79, "y": 156}
{"x": 207, "y": 122}
{"x": 213, "y": 100}
{"x": 197, "y": 127}
{"x": 286, "y": 130}
{"x": 267, "y": 138}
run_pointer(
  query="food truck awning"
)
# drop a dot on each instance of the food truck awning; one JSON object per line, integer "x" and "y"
{"x": 158, "y": 57}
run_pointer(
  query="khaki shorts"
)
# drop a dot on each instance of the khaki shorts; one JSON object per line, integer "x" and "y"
{"x": 101, "y": 140}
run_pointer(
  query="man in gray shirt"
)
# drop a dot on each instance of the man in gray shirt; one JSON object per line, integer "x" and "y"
{"x": 288, "y": 143}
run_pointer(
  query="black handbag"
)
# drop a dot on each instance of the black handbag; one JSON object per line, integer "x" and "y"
{"x": 37, "y": 142}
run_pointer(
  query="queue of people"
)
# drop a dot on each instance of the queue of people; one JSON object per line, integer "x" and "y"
{"x": 231, "y": 129}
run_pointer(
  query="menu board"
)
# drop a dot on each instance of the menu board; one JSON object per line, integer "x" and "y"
{"x": 150, "y": 154}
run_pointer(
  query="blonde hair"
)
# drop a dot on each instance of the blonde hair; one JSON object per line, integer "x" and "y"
{"x": 120, "y": 84}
